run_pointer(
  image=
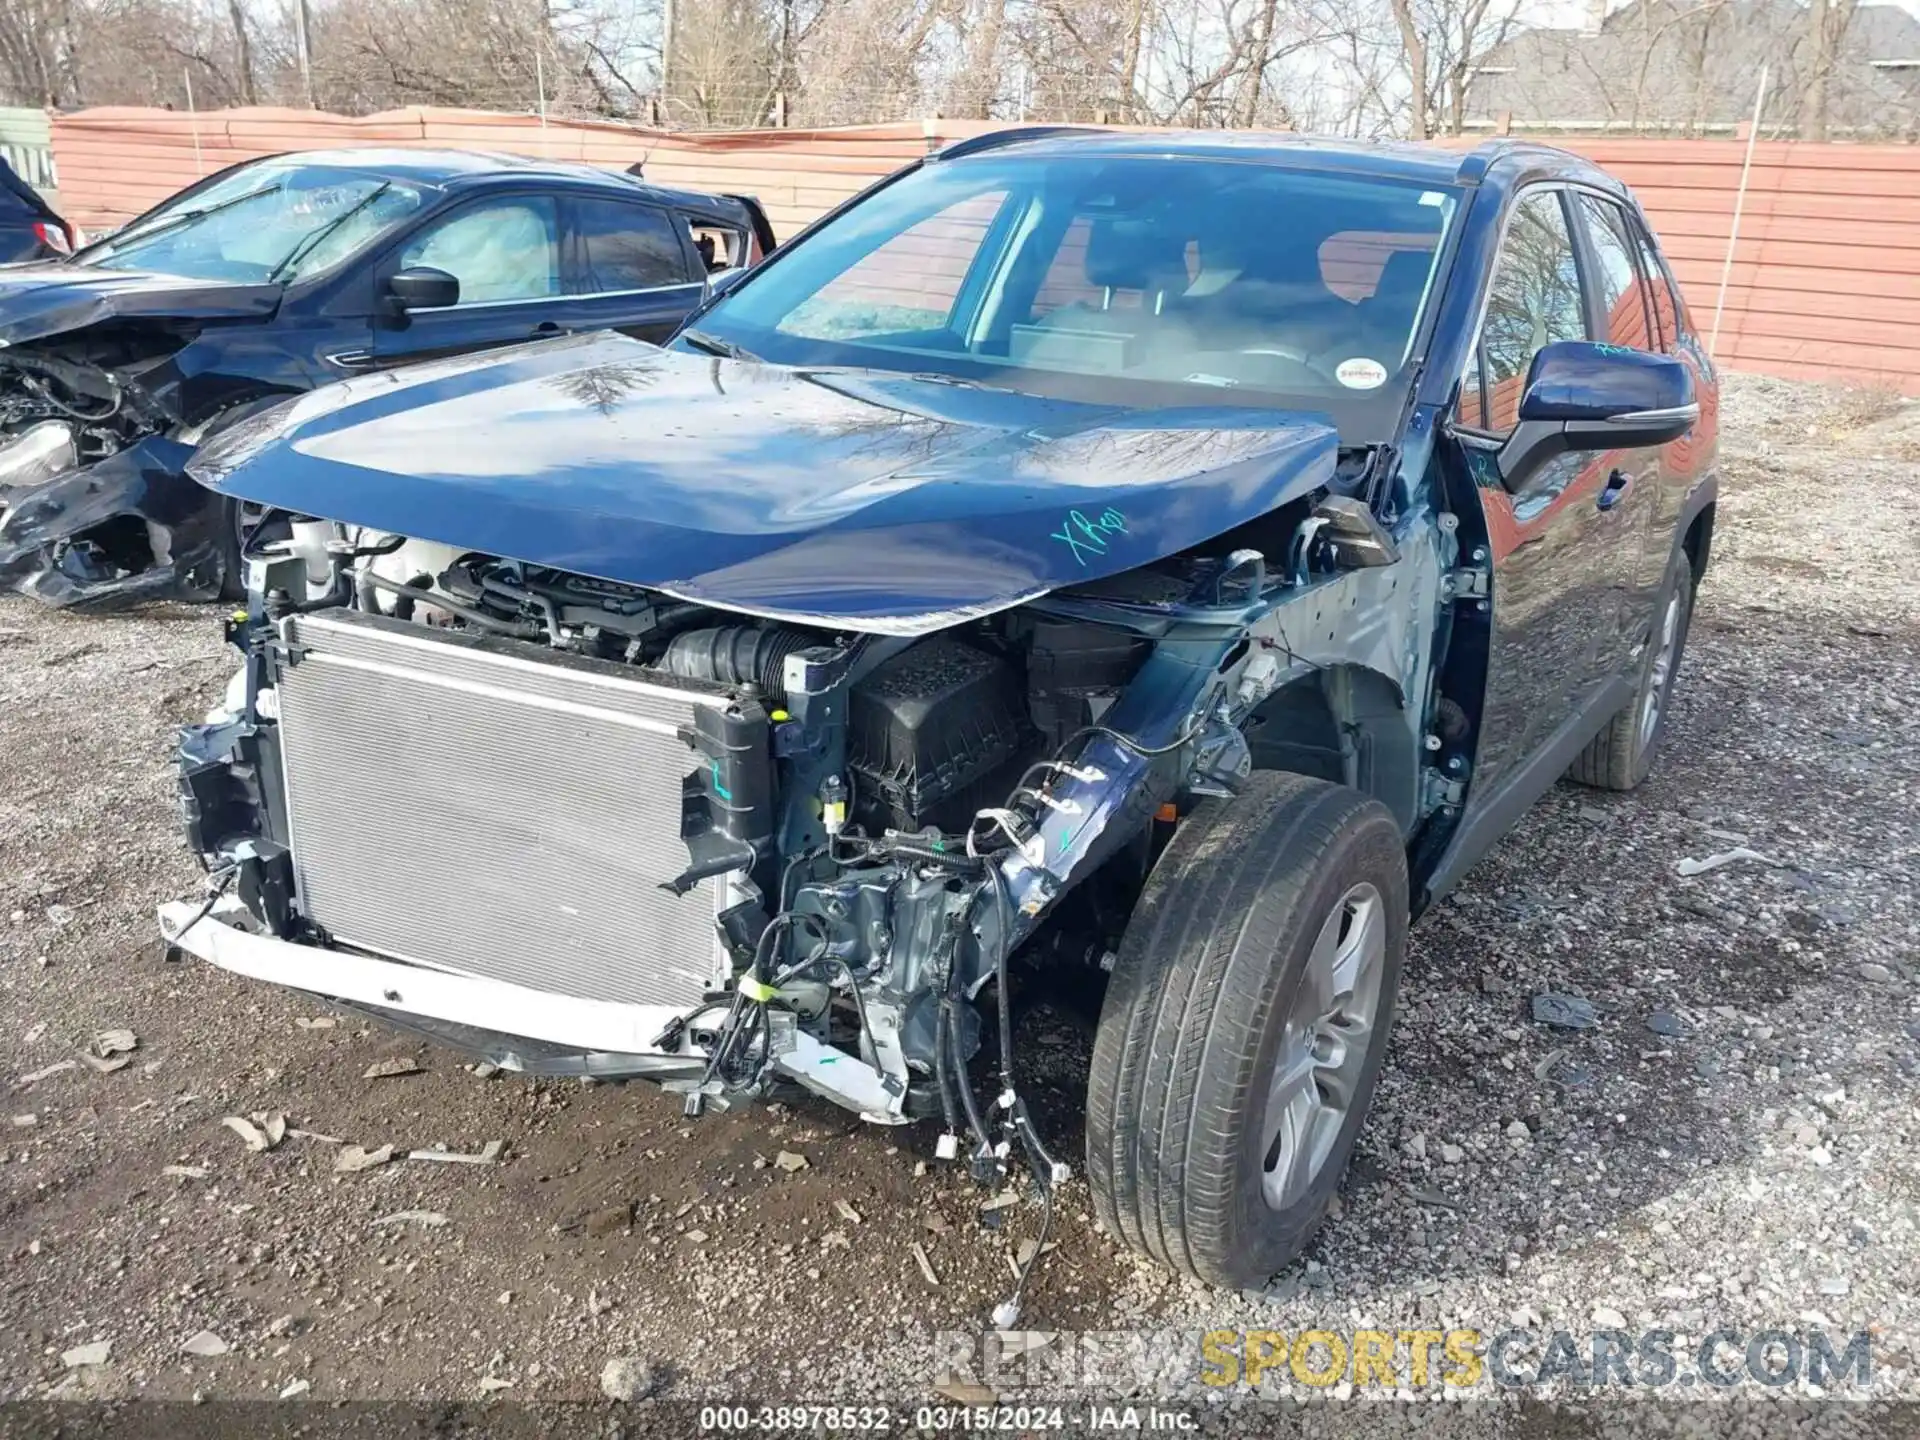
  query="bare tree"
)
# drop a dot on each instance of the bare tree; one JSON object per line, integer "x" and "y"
{"x": 1827, "y": 25}
{"x": 242, "y": 53}
{"x": 1419, "y": 110}
{"x": 1445, "y": 43}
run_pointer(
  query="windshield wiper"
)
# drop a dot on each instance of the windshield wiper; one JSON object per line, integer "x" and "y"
{"x": 306, "y": 246}
{"x": 112, "y": 244}
{"x": 714, "y": 345}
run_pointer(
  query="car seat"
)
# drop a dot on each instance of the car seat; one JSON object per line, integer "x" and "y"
{"x": 1125, "y": 254}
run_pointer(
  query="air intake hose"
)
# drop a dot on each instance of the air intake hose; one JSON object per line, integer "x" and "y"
{"x": 735, "y": 655}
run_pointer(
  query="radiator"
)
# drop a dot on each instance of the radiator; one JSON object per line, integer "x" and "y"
{"x": 489, "y": 808}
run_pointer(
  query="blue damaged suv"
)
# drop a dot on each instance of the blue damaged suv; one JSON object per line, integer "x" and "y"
{"x": 1169, "y": 560}
{"x": 280, "y": 274}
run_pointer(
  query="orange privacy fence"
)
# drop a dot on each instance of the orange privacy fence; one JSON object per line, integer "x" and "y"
{"x": 115, "y": 163}
{"x": 1825, "y": 283}
{"x": 1826, "y": 277}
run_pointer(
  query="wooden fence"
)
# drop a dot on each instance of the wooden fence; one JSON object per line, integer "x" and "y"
{"x": 1825, "y": 283}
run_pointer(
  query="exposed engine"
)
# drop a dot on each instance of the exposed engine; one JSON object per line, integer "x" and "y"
{"x": 89, "y": 431}
{"x": 89, "y": 384}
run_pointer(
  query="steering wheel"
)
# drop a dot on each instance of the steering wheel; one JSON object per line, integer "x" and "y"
{"x": 1284, "y": 358}
{"x": 1285, "y": 352}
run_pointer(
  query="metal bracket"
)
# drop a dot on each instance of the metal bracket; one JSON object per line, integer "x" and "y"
{"x": 1467, "y": 584}
{"x": 1438, "y": 789}
{"x": 289, "y": 653}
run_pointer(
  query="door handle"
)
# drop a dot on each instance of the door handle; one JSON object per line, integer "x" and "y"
{"x": 1616, "y": 486}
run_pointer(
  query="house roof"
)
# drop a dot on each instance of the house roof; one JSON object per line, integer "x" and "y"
{"x": 1667, "y": 64}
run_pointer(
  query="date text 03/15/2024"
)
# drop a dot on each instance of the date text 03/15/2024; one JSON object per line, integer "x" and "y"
{"x": 1012, "y": 1419}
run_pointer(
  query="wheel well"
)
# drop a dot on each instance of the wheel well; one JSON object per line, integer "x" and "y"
{"x": 1345, "y": 724}
{"x": 1699, "y": 542}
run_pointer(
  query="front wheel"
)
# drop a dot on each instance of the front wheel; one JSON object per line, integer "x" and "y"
{"x": 1245, "y": 1025}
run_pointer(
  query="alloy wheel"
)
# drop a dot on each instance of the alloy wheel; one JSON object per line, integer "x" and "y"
{"x": 1323, "y": 1045}
{"x": 1661, "y": 670}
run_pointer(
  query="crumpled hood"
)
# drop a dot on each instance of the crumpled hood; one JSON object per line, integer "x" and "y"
{"x": 889, "y": 503}
{"x": 52, "y": 297}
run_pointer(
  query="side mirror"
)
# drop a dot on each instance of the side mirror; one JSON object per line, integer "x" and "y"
{"x": 421, "y": 287}
{"x": 1581, "y": 395}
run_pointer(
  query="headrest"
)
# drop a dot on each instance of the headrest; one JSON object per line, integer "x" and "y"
{"x": 1130, "y": 254}
{"x": 1403, "y": 277}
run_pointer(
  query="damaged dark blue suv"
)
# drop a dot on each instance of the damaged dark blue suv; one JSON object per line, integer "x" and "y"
{"x": 1172, "y": 558}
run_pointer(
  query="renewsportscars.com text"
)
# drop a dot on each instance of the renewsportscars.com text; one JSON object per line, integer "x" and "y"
{"x": 1514, "y": 1359}
{"x": 1172, "y": 1361}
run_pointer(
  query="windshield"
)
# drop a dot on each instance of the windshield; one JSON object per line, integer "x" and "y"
{"x": 1224, "y": 280}
{"x": 273, "y": 220}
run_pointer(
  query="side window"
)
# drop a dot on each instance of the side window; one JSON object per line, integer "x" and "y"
{"x": 1618, "y": 284}
{"x": 1534, "y": 300}
{"x": 504, "y": 249}
{"x": 1668, "y": 318}
{"x": 627, "y": 247}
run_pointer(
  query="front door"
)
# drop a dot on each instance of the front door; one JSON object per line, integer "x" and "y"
{"x": 508, "y": 253}
{"x": 1559, "y": 546}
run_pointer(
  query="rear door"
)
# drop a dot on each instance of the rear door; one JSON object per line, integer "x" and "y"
{"x": 1689, "y": 460}
{"x": 633, "y": 267}
{"x": 1556, "y": 544}
{"x": 1619, "y": 295}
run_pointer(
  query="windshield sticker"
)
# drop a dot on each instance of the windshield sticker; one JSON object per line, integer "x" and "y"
{"x": 1088, "y": 536}
{"x": 1361, "y": 373}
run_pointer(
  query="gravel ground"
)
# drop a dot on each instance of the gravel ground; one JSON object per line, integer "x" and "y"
{"x": 1731, "y": 1144}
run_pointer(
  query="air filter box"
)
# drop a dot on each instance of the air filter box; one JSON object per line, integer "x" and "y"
{"x": 934, "y": 734}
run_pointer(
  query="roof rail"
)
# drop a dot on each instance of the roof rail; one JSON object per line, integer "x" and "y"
{"x": 994, "y": 139}
{"x": 1477, "y": 161}
{"x": 1475, "y": 164}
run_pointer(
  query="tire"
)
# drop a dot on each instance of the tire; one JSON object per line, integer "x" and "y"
{"x": 1197, "y": 1016}
{"x": 1622, "y": 754}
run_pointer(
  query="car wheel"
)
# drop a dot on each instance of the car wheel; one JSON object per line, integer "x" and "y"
{"x": 1621, "y": 755}
{"x": 1244, "y": 1027}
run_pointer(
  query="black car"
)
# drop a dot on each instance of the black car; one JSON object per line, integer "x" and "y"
{"x": 279, "y": 275}
{"x": 29, "y": 227}
{"x": 1156, "y": 562}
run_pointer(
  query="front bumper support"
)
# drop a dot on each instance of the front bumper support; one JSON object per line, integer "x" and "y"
{"x": 499, "y": 1007}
